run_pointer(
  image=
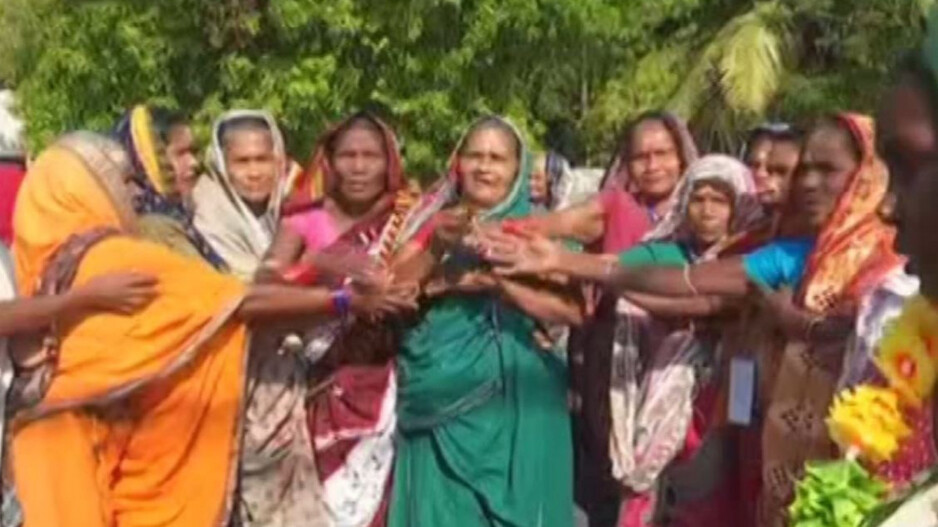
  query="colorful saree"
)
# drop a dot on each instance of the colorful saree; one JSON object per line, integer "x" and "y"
{"x": 590, "y": 347}
{"x": 162, "y": 217}
{"x": 239, "y": 237}
{"x": 665, "y": 449}
{"x": 327, "y": 448}
{"x": 147, "y": 406}
{"x": 852, "y": 256}
{"x": 484, "y": 432}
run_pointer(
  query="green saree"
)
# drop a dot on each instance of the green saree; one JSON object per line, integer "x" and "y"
{"x": 484, "y": 431}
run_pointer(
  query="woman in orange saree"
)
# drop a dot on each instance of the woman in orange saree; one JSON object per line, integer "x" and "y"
{"x": 147, "y": 407}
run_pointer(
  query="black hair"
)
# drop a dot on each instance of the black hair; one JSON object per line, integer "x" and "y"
{"x": 360, "y": 121}
{"x": 164, "y": 120}
{"x": 492, "y": 122}
{"x": 782, "y": 134}
{"x": 626, "y": 138}
{"x": 245, "y": 123}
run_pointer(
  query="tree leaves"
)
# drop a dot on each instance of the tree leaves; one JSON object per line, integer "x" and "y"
{"x": 571, "y": 70}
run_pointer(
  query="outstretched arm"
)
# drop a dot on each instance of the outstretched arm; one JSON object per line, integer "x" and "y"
{"x": 121, "y": 293}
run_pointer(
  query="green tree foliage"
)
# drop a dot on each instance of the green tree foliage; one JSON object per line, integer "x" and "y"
{"x": 569, "y": 71}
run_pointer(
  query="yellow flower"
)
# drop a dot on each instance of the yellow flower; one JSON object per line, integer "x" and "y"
{"x": 905, "y": 354}
{"x": 868, "y": 420}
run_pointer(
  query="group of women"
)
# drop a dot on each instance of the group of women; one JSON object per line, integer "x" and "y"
{"x": 265, "y": 344}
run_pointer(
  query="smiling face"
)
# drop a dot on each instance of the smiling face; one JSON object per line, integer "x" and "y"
{"x": 252, "y": 164}
{"x": 654, "y": 160}
{"x": 827, "y": 163}
{"x": 908, "y": 143}
{"x": 360, "y": 162}
{"x": 488, "y": 165}
{"x": 709, "y": 211}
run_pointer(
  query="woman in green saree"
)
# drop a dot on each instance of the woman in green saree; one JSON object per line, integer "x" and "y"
{"x": 484, "y": 431}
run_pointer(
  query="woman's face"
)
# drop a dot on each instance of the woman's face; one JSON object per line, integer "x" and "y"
{"x": 539, "y": 182}
{"x": 825, "y": 169}
{"x": 757, "y": 159}
{"x": 180, "y": 150}
{"x": 780, "y": 168}
{"x": 488, "y": 165}
{"x": 908, "y": 143}
{"x": 709, "y": 211}
{"x": 360, "y": 163}
{"x": 654, "y": 160}
{"x": 252, "y": 164}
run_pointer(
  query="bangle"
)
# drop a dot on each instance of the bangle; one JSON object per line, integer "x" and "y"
{"x": 688, "y": 282}
{"x": 341, "y": 302}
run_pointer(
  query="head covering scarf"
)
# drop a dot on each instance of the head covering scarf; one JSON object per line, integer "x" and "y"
{"x": 852, "y": 256}
{"x": 178, "y": 376}
{"x": 152, "y": 174}
{"x": 617, "y": 174}
{"x": 78, "y": 204}
{"x": 342, "y": 436}
{"x": 560, "y": 179}
{"x": 222, "y": 216}
{"x": 319, "y": 178}
{"x": 652, "y": 412}
{"x": 474, "y": 401}
{"x": 712, "y": 167}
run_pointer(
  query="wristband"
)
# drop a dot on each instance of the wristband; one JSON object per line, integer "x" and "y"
{"x": 341, "y": 302}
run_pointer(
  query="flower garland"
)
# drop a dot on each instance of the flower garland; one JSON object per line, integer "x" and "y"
{"x": 867, "y": 423}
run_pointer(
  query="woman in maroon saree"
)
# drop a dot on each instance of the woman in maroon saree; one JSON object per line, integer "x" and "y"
{"x": 341, "y": 221}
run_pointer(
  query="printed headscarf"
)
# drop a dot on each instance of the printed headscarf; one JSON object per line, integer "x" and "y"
{"x": 319, "y": 179}
{"x": 720, "y": 167}
{"x": 152, "y": 173}
{"x": 854, "y": 246}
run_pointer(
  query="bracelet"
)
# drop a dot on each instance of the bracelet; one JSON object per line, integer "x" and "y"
{"x": 688, "y": 282}
{"x": 341, "y": 302}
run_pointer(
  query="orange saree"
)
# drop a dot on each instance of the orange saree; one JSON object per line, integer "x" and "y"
{"x": 138, "y": 422}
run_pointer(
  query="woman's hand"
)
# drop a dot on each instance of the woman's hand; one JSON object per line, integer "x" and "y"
{"x": 521, "y": 253}
{"x": 376, "y": 303}
{"x": 469, "y": 282}
{"x": 794, "y": 322}
{"x": 124, "y": 293}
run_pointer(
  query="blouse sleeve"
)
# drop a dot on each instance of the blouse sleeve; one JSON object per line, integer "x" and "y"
{"x": 778, "y": 264}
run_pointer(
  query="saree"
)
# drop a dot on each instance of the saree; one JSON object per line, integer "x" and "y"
{"x": 162, "y": 217}
{"x": 148, "y": 405}
{"x": 627, "y": 223}
{"x": 665, "y": 449}
{"x": 484, "y": 434}
{"x": 852, "y": 255}
{"x": 239, "y": 237}
{"x": 320, "y": 422}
